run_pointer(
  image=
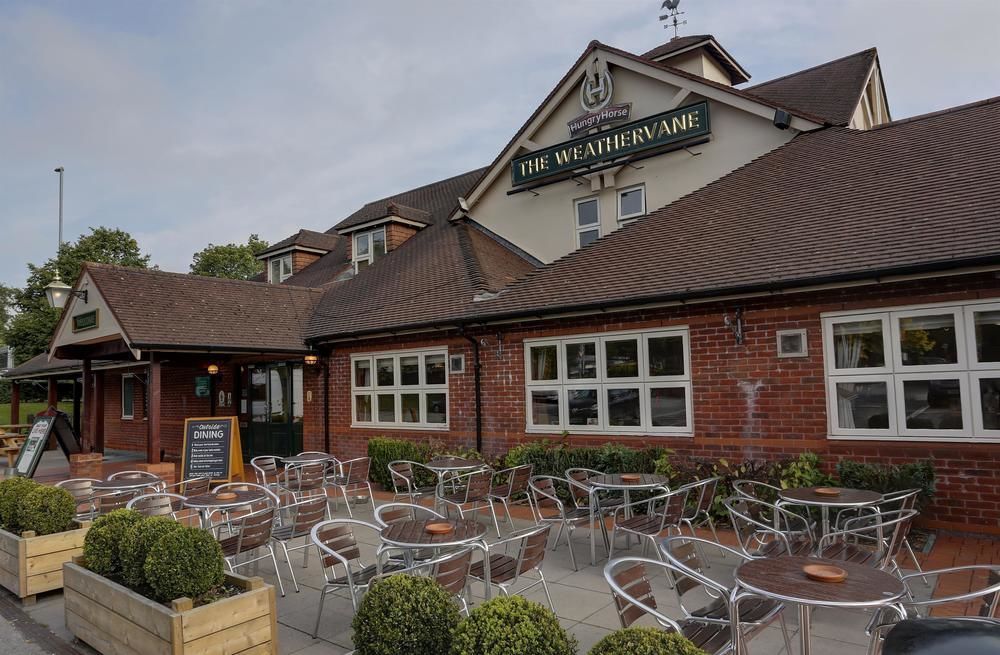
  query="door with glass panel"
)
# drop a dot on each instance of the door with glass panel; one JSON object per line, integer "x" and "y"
{"x": 275, "y": 407}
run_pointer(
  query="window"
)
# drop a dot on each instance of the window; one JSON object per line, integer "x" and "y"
{"x": 631, "y": 203}
{"x": 128, "y": 396}
{"x": 929, "y": 373}
{"x": 792, "y": 343}
{"x": 368, "y": 246}
{"x": 619, "y": 383}
{"x": 280, "y": 269}
{"x": 404, "y": 389}
{"x": 588, "y": 220}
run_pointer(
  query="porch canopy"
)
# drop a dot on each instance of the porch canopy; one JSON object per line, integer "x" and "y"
{"x": 118, "y": 316}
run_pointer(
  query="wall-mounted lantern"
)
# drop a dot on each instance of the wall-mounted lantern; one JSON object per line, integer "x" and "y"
{"x": 311, "y": 360}
{"x": 57, "y": 293}
{"x": 213, "y": 369}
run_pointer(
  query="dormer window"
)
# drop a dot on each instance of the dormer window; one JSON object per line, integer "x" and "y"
{"x": 279, "y": 269}
{"x": 368, "y": 246}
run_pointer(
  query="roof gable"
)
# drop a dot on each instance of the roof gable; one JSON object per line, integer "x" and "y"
{"x": 307, "y": 240}
{"x": 680, "y": 44}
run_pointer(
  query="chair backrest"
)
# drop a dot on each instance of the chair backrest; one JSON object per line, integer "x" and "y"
{"x": 579, "y": 491}
{"x": 355, "y": 471}
{"x": 703, "y": 493}
{"x": 881, "y": 533}
{"x": 531, "y": 553}
{"x": 545, "y": 494}
{"x": 401, "y": 472}
{"x": 670, "y": 506}
{"x": 157, "y": 504}
{"x": 690, "y": 572}
{"x": 80, "y": 488}
{"x": 905, "y": 499}
{"x": 477, "y": 484}
{"x": 253, "y": 530}
{"x": 306, "y": 514}
{"x": 265, "y": 468}
{"x": 337, "y": 544}
{"x": 514, "y": 481}
{"x": 109, "y": 502}
{"x": 135, "y": 475}
{"x": 757, "y": 522}
{"x": 630, "y": 589}
{"x": 195, "y": 486}
{"x": 754, "y": 490}
{"x": 393, "y": 512}
{"x": 452, "y": 571}
{"x": 305, "y": 477}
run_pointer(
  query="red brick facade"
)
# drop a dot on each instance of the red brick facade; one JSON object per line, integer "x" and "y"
{"x": 747, "y": 402}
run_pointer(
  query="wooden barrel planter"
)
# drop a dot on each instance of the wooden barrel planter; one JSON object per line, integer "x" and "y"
{"x": 30, "y": 565}
{"x": 117, "y": 621}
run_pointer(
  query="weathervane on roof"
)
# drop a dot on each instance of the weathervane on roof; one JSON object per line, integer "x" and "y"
{"x": 670, "y": 18}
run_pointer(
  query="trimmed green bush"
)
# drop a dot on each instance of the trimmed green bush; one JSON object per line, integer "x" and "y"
{"x": 136, "y": 543}
{"x": 46, "y": 510}
{"x": 12, "y": 493}
{"x": 645, "y": 641}
{"x": 102, "y": 545}
{"x": 405, "y": 614}
{"x": 885, "y": 478}
{"x": 184, "y": 563}
{"x": 512, "y": 626}
{"x": 382, "y": 451}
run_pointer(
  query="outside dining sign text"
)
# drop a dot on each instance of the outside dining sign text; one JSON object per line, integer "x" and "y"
{"x": 654, "y": 131}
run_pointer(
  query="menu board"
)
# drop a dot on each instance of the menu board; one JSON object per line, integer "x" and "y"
{"x": 212, "y": 449}
{"x": 46, "y": 424}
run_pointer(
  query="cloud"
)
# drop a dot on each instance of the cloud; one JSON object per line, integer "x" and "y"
{"x": 190, "y": 123}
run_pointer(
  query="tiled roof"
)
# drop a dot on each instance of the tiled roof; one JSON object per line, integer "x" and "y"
{"x": 40, "y": 365}
{"x": 831, "y": 90}
{"x": 326, "y": 270}
{"x": 306, "y": 239}
{"x": 159, "y": 309}
{"x": 431, "y": 202}
{"x": 830, "y": 205}
{"x": 736, "y": 72}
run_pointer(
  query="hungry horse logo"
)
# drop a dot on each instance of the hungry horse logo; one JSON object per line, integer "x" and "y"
{"x": 596, "y": 91}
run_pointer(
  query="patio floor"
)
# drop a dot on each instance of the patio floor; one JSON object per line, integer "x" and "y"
{"x": 582, "y": 599}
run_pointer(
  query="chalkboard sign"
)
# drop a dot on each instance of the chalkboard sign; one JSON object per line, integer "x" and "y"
{"x": 212, "y": 449}
{"x": 46, "y": 424}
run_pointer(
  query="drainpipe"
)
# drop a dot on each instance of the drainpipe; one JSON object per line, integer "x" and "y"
{"x": 477, "y": 368}
{"x": 326, "y": 401}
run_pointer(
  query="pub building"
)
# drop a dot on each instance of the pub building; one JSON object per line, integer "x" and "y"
{"x": 664, "y": 253}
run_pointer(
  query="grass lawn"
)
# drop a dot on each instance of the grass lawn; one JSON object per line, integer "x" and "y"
{"x": 29, "y": 408}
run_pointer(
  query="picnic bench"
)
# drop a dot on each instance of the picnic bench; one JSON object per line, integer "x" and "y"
{"x": 11, "y": 448}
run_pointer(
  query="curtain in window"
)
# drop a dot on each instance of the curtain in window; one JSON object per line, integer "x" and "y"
{"x": 848, "y": 347}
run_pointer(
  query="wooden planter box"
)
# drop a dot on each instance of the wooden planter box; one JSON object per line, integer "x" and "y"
{"x": 117, "y": 621}
{"x": 30, "y": 565}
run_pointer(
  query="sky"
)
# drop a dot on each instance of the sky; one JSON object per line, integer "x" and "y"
{"x": 191, "y": 122}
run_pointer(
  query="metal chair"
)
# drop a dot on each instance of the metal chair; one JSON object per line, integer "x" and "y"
{"x": 190, "y": 487}
{"x": 404, "y": 481}
{"x": 687, "y": 556}
{"x": 507, "y": 567}
{"x": 156, "y": 504}
{"x": 658, "y": 514}
{"x": 302, "y": 480}
{"x": 338, "y": 546}
{"x": 252, "y": 532}
{"x": 265, "y": 468}
{"x": 550, "y": 509}
{"x": 270, "y": 500}
{"x": 394, "y": 512}
{"x": 451, "y": 571}
{"x": 698, "y": 513}
{"x": 473, "y": 489}
{"x": 894, "y": 500}
{"x": 513, "y": 482}
{"x": 634, "y": 599}
{"x": 352, "y": 478}
{"x": 607, "y": 501}
{"x": 82, "y": 490}
{"x": 766, "y": 530}
{"x": 871, "y": 539}
{"x": 155, "y": 481}
{"x": 754, "y": 490}
{"x": 110, "y": 501}
{"x": 988, "y": 593}
{"x": 303, "y": 517}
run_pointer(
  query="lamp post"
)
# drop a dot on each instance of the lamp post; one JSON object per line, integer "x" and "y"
{"x": 60, "y": 170}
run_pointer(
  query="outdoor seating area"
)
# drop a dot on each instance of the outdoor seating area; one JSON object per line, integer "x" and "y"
{"x": 824, "y": 570}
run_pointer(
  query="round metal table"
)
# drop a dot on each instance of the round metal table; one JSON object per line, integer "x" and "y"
{"x": 127, "y": 484}
{"x": 846, "y": 499}
{"x": 210, "y": 502}
{"x": 782, "y": 579}
{"x": 413, "y": 535}
{"x": 619, "y": 482}
{"x": 307, "y": 459}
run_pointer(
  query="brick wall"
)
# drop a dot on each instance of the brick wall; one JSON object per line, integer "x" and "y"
{"x": 747, "y": 402}
{"x": 302, "y": 259}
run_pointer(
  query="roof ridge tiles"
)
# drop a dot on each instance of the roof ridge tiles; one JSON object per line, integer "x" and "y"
{"x": 191, "y": 276}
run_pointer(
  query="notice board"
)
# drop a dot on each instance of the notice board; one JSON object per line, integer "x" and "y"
{"x": 212, "y": 449}
{"x": 46, "y": 424}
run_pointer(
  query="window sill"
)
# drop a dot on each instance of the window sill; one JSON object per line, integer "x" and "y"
{"x": 901, "y": 439}
{"x": 609, "y": 433}
{"x": 399, "y": 426}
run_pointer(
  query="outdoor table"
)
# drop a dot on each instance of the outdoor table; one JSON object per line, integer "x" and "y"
{"x": 616, "y": 482}
{"x": 965, "y": 636}
{"x": 210, "y": 502}
{"x": 442, "y": 466}
{"x": 307, "y": 459}
{"x": 846, "y": 499}
{"x": 126, "y": 484}
{"x": 782, "y": 579}
{"x": 413, "y": 535}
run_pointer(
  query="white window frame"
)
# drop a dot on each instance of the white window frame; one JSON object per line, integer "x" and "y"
{"x": 968, "y": 371}
{"x": 397, "y": 389}
{"x": 623, "y": 218}
{"x": 282, "y": 276}
{"x": 130, "y": 378}
{"x": 644, "y": 382}
{"x": 590, "y": 227}
{"x": 802, "y": 333}
{"x": 370, "y": 255}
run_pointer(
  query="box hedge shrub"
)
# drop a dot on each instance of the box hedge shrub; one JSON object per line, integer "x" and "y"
{"x": 136, "y": 544}
{"x": 184, "y": 563}
{"x": 102, "y": 545}
{"x": 12, "y": 493}
{"x": 645, "y": 641}
{"x": 512, "y": 626}
{"x": 46, "y": 510}
{"x": 405, "y": 614}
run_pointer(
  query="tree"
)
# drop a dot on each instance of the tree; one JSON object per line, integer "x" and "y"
{"x": 31, "y": 327}
{"x": 232, "y": 260}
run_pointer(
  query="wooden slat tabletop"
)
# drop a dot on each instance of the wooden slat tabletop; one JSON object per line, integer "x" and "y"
{"x": 616, "y": 480}
{"x": 846, "y": 497}
{"x": 210, "y": 500}
{"x": 414, "y": 533}
{"x": 782, "y": 578}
